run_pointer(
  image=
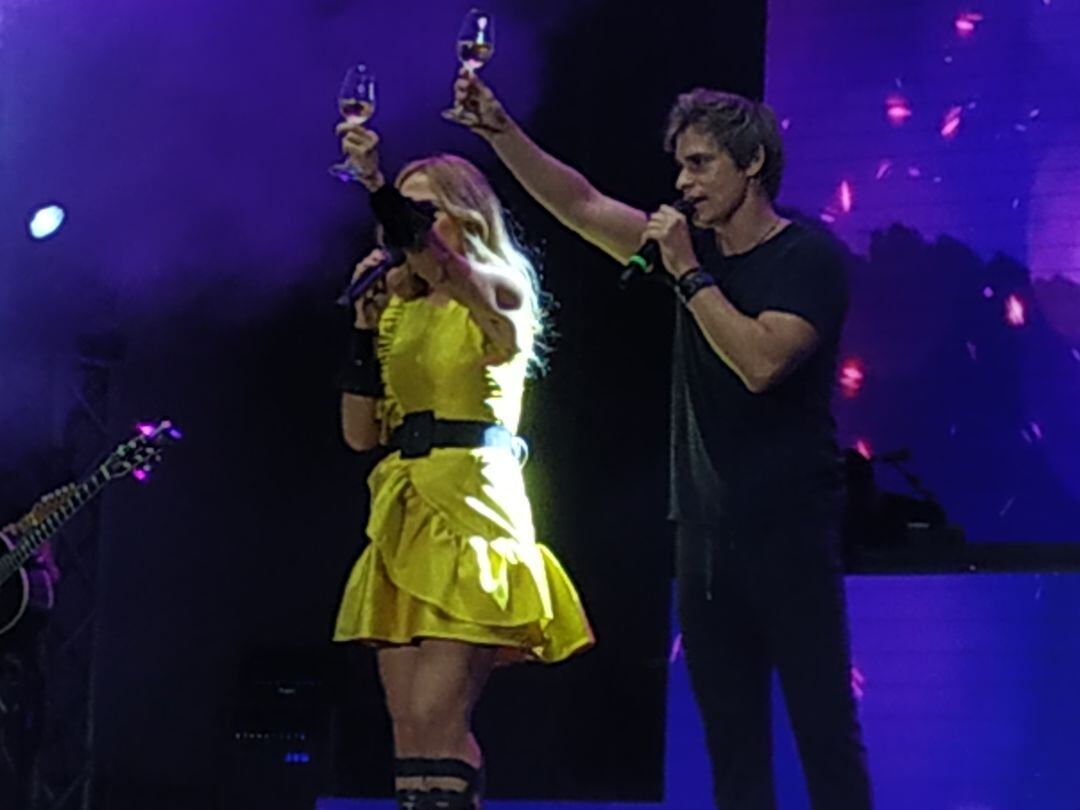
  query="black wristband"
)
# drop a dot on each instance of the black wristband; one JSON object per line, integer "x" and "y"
{"x": 362, "y": 373}
{"x": 405, "y": 222}
{"x": 690, "y": 284}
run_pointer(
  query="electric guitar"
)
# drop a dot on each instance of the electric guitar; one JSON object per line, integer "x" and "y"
{"x": 136, "y": 457}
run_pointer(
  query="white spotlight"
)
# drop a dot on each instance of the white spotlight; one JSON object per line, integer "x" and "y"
{"x": 46, "y": 221}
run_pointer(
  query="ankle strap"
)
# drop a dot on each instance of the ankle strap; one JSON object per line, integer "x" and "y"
{"x": 423, "y": 766}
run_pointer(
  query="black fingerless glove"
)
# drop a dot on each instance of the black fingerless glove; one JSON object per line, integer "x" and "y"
{"x": 362, "y": 374}
{"x": 405, "y": 222}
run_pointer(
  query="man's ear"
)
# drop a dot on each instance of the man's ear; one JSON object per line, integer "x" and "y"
{"x": 757, "y": 163}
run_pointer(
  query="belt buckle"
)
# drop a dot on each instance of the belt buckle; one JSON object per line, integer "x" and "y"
{"x": 417, "y": 434}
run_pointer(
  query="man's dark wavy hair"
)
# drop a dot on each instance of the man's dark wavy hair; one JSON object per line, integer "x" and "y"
{"x": 739, "y": 125}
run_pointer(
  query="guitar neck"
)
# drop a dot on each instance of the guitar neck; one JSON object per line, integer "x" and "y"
{"x": 32, "y": 540}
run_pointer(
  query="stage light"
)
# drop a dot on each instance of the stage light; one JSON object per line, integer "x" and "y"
{"x": 46, "y": 221}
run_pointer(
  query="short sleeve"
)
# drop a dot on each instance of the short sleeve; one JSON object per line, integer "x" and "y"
{"x": 811, "y": 282}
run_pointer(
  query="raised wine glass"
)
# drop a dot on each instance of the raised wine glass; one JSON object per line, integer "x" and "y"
{"x": 475, "y": 46}
{"x": 356, "y": 102}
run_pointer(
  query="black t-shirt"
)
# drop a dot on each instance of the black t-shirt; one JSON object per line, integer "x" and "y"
{"x": 739, "y": 459}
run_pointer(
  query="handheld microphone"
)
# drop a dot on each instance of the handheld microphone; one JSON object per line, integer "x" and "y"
{"x": 392, "y": 257}
{"x": 648, "y": 255}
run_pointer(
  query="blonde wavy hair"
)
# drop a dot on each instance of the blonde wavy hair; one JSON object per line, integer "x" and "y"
{"x": 464, "y": 194}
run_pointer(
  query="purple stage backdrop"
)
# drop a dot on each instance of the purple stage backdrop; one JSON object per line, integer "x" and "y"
{"x": 941, "y": 141}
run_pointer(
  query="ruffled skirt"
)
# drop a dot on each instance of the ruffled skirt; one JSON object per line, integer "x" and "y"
{"x": 453, "y": 556}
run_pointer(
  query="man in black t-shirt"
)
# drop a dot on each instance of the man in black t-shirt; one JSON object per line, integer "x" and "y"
{"x": 755, "y": 478}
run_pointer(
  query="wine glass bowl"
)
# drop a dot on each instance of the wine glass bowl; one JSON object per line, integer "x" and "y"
{"x": 356, "y": 103}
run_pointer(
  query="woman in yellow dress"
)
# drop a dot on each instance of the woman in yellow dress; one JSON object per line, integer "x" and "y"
{"x": 453, "y": 581}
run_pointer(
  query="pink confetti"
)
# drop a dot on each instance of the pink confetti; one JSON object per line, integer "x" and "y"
{"x": 1036, "y": 430}
{"x": 914, "y": 171}
{"x": 1008, "y": 505}
{"x": 965, "y": 23}
{"x": 1014, "y": 311}
{"x": 1034, "y": 113}
{"x": 950, "y": 125}
{"x": 988, "y": 292}
{"x": 852, "y": 377}
{"x": 785, "y": 124}
{"x": 897, "y": 109}
{"x": 676, "y": 649}
{"x": 858, "y": 682}
{"x": 862, "y": 447}
{"x": 847, "y": 197}
{"x": 884, "y": 167}
{"x": 1076, "y": 355}
{"x": 973, "y": 351}
{"x": 827, "y": 216}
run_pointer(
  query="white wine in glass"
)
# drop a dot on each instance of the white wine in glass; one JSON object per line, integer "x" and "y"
{"x": 475, "y": 47}
{"x": 356, "y": 103}
{"x": 474, "y": 55}
{"x": 356, "y": 111}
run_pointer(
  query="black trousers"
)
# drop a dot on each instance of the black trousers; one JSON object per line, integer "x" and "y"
{"x": 751, "y": 603}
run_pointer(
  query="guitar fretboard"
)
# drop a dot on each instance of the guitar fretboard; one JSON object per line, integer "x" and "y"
{"x": 32, "y": 540}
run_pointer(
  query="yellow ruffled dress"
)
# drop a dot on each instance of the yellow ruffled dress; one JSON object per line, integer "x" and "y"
{"x": 453, "y": 553}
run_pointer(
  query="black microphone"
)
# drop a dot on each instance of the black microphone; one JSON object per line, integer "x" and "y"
{"x": 648, "y": 255}
{"x": 392, "y": 257}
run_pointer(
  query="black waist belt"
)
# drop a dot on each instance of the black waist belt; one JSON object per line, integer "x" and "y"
{"x": 420, "y": 431}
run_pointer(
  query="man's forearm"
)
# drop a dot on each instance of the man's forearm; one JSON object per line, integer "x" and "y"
{"x": 560, "y": 188}
{"x": 568, "y": 195}
{"x": 744, "y": 344}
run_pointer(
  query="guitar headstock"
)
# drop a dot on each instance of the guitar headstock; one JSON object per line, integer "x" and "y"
{"x": 139, "y": 454}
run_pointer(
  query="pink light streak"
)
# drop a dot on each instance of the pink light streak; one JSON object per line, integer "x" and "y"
{"x": 858, "y": 682}
{"x": 1015, "y": 314}
{"x": 950, "y": 125}
{"x": 966, "y": 22}
{"x": 884, "y": 167}
{"x": 862, "y": 447}
{"x": 852, "y": 377}
{"x": 847, "y": 197}
{"x": 676, "y": 649}
{"x": 897, "y": 109}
